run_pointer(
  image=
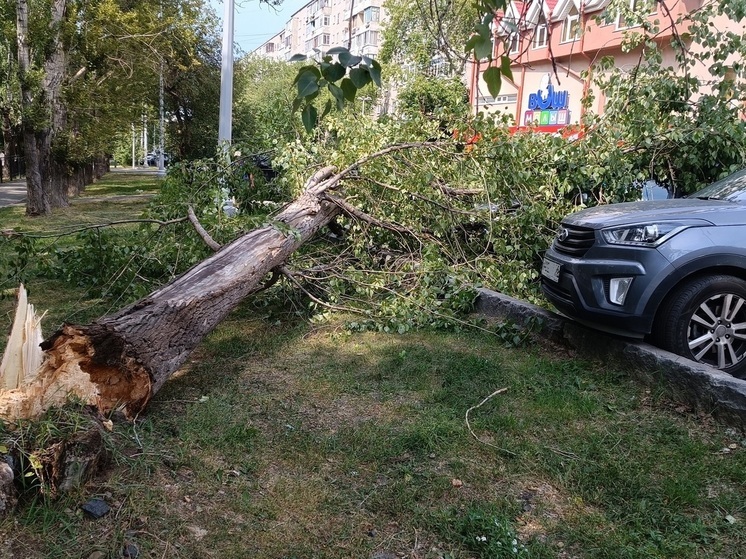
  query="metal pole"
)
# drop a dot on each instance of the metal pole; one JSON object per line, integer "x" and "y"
{"x": 133, "y": 145}
{"x": 145, "y": 140}
{"x": 161, "y": 143}
{"x": 226, "y": 80}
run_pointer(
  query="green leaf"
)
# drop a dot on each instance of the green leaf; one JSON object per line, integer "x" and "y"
{"x": 471, "y": 43}
{"x": 337, "y": 50}
{"x": 375, "y": 72}
{"x": 297, "y": 58}
{"x": 483, "y": 48}
{"x": 333, "y": 72}
{"x": 338, "y": 95}
{"x": 505, "y": 67}
{"x": 307, "y": 84}
{"x": 483, "y": 29}
{"x": 349, "y": 89}
{"x": 3, "y": 449}
{"x": 309, "y": 117}
{"x": 360, "y": 77}
{"x": 327, "y": 108}
{"x": 297, "y": 103}
{"x": 493, "y": 78}
{"x": 349, "y": 60}
{"x": 306, "y": 69}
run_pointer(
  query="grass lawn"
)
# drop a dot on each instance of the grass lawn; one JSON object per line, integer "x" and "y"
{"x": 281, "y": 439}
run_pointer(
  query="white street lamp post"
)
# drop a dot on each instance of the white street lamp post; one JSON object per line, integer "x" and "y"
{"x": 161, "y": 167}
{"x": 161, "y": 143}
{"x": 226, "y": 80}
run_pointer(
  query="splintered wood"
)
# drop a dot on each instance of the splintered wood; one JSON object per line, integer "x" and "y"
{"x": 27, "y": 387}
{"x": 23, "y": 356}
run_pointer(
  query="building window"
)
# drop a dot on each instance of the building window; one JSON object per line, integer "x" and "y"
{"x": 514, "y": 43}
{"x": 325, "y": 21}
{"x": 369, "y": 38}
{"x": 371, "y": 14}
{"x": 571, "y": 26}
{"x": 509, "y": 99}
{"x": 438, "y": 67}
{"x": 638, "y": 10}
{"x": 269, "y": 48}
{"x": 607, "y": 17}
{"x": 325, "y": 40}
{"x": 541, "y": 34}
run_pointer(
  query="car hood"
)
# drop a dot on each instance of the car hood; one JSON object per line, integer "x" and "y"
{"x": 714, "y": 212}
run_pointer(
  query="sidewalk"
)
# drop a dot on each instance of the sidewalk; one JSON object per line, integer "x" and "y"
{"x": 12, "y": 193}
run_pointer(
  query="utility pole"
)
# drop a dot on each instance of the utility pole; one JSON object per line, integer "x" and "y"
{"x": 161, "y": 143}
{"x": 226, "y": 81}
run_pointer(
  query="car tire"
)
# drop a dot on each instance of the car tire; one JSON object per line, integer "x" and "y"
{"x": 705, "y": 320}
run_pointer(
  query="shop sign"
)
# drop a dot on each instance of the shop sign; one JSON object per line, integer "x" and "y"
{"x": 547, "y": 107}
{"x": 547, "y": 118}
{"x": 554, "y": 100}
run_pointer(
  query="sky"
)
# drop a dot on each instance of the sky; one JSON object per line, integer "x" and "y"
{"x": 254, "y": 22}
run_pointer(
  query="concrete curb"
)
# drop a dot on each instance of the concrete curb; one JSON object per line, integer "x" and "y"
{"x": 704, "y": 388}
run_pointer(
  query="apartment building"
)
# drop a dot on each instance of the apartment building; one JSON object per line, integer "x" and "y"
{"x": 554, "y": 44}
{"x": 323, "y": 24}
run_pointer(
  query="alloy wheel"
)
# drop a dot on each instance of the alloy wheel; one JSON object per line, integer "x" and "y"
{"x": 717, "y": 331}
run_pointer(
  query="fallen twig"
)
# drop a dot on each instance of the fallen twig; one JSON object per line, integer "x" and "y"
{"x": 473, "y": 434}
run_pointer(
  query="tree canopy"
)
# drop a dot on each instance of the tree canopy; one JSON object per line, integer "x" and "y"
{"x": 89, "y": 70}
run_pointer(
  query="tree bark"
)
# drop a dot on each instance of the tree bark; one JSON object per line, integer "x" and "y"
{"x": 46, "y": 189}
{"x": 121, "y": 360}
{"x": 9, "y": 144}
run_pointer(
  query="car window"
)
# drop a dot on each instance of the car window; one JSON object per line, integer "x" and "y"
{"x": 732, "y": 189}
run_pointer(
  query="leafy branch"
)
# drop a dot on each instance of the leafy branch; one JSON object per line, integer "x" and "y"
{"x": 342, "y": 77}
{"x": 482, "y": 44}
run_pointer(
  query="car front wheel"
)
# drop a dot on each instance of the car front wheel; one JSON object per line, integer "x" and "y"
{"x": 705, "y": 320}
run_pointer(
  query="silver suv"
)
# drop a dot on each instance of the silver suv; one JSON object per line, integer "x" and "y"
{"x": 672, "y": 271}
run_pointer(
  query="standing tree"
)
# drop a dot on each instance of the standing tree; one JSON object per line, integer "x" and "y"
{"x": 429, "y": 34}
{"x": 87, "y": 69}
{"x": 9, "y": 90}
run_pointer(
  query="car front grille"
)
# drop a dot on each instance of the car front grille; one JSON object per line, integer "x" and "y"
{"x": 574, "y": 241}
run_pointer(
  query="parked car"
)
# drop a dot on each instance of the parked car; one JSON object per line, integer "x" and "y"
{"x": 671, "y": 271}
{"x": 151, "y": 159}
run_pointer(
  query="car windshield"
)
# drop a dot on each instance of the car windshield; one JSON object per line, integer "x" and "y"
{"x": 732, "y": 189}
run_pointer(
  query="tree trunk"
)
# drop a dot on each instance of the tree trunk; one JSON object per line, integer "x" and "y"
{"x": 46, "y": 188}
{"x": 121, "y": 360}
{"x": 9, "y": 145}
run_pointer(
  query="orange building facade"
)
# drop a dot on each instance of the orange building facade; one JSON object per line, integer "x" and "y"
{"x": 554, "y": 46}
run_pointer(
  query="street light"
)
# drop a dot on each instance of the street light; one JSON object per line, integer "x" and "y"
{"x": 226, "y": 80}
{"x": 161, "y": 143}
{"x": 364, "y": 99}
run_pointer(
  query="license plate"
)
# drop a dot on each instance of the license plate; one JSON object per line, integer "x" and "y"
{"x": 550, "y": 269}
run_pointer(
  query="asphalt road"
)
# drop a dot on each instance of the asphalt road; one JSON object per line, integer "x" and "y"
{"x": 12, "y": 193}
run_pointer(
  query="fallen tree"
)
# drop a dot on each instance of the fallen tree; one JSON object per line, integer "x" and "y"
{"x": 404, "y": 250}
{"x": 119, "y": 361}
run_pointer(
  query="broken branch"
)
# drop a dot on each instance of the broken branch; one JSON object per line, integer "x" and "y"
{"x": 209, "y": 241}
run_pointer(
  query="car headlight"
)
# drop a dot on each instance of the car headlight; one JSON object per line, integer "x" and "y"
{"x": 645, "y": 234}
